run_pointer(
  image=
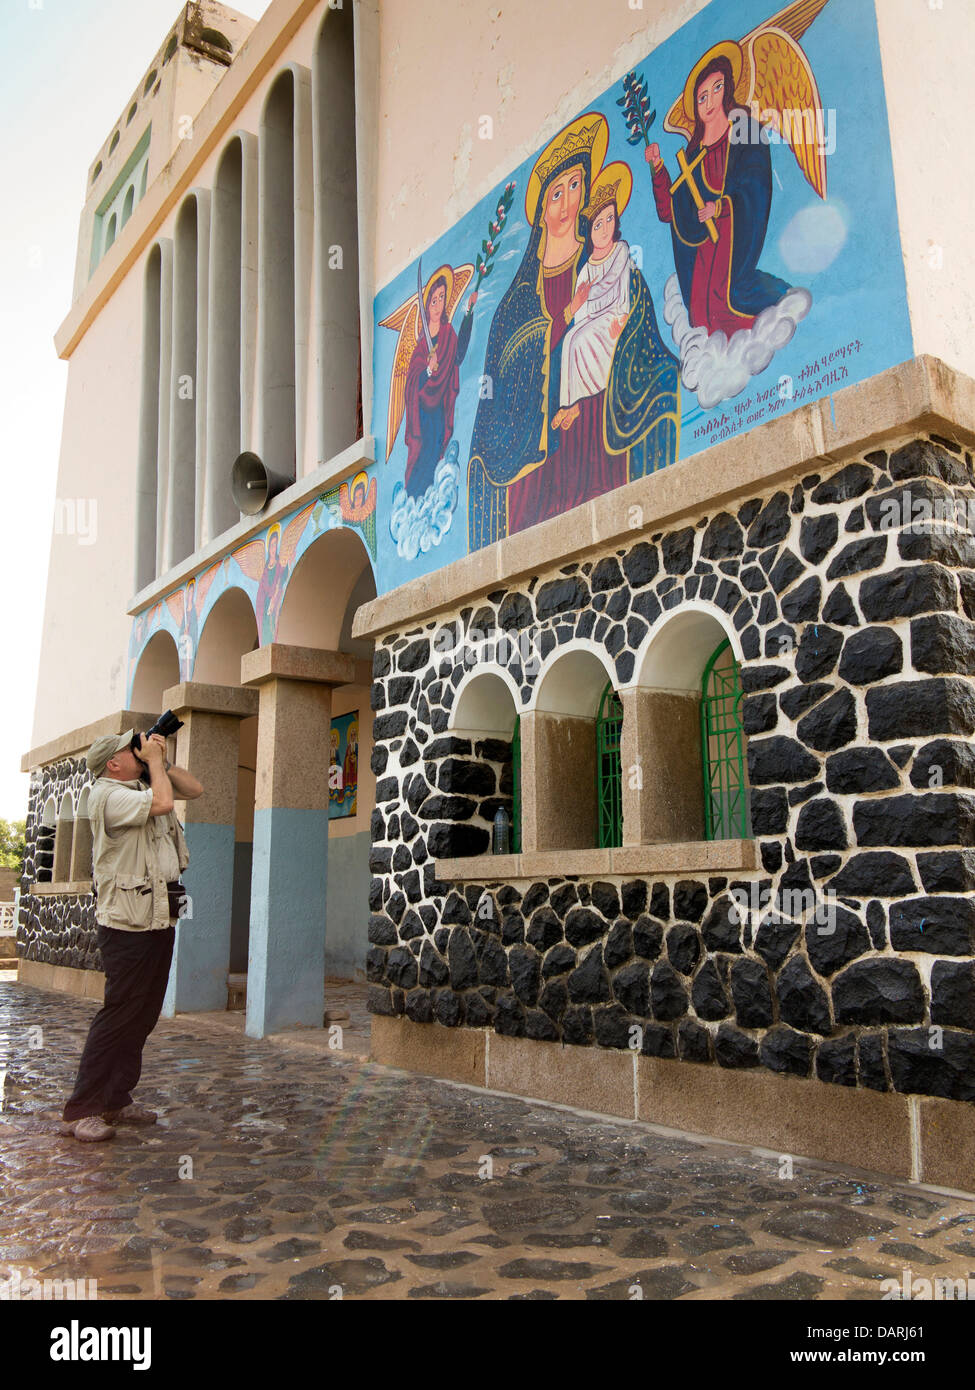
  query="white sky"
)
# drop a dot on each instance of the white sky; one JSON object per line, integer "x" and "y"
{"x": 67, "y": 68}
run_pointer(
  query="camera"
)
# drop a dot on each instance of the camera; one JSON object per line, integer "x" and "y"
{"x": 166, "y": 724}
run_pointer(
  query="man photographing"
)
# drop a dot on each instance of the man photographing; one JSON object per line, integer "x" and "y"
{"x": 138, "y": 854}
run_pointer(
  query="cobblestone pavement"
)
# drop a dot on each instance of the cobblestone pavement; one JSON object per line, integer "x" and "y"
{"x": 281, "y": 1171}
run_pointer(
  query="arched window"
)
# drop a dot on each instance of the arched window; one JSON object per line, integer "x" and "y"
{"x": 64, "y": 832}
{"x": 216, "y": 40}
{"x": 609, "y": 769}
{"x": 44, "y": 842}
{"x": 485, "y": 721}
{"x": 723, "y": 748}
{"x": 81, "y": 841}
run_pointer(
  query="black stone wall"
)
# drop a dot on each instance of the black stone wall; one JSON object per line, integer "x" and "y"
{"x": 859, "y": 657}
{"x": 60, "y": 930}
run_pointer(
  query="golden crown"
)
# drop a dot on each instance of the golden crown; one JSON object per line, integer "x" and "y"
{"x": 601, "y": 195}
{"x": 577, "y": 142}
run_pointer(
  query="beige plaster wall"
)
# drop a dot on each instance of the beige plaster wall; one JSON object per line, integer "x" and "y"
{"x": 927, "y": 48}
{"x": 84, "y": 648}
{"x": 530, "y": 65}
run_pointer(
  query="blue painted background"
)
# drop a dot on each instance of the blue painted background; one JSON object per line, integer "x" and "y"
{"x": 845, "y": 251}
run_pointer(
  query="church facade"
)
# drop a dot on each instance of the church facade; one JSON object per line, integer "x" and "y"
{"x": 551, "y": 511}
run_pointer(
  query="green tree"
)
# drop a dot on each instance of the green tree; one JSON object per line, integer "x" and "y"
{"x": 13, "y": 844}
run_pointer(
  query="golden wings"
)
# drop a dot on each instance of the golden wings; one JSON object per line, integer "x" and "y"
{"x": 252, "y": 557}
{"x": 406, "y": 321}
{"x": 175, "y": 601}
{"x": 778, "y": 85}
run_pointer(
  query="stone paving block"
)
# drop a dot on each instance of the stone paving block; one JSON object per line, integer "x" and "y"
{"x": 394, "y": 1185}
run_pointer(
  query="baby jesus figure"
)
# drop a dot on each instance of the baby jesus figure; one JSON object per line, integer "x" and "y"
{"x": 598, "y": 310}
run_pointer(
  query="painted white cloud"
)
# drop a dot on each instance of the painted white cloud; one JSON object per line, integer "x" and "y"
{"x": 717, "y": 367}
{"x": 417, "y": 524}
{"x": 813, "y": 238}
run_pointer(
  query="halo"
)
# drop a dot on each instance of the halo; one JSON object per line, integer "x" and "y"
{"x": 588, "y": 134}
{"x": 447, "y": 273}
{"x": 614, "y": 185}
{"x": 727, "y": 48}
{"x": 271, "y": 531}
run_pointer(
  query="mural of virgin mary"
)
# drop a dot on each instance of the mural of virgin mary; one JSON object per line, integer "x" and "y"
{"x": 523, "y": 469}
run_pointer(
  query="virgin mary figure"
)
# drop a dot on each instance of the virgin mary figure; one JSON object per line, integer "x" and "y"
{"x": 523, "y": 468}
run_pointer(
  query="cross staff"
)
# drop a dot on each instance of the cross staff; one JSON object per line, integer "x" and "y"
{"x": 687, "y": 171}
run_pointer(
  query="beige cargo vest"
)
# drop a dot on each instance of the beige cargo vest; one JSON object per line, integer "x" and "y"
{"x": 131, "y": 891}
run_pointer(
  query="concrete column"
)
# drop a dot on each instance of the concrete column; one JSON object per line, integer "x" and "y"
{"x": 662, "y": 735}
{"x": 286, "y": 961}
{"x": 207, "y": 745}
{"x": 558, "y": 782}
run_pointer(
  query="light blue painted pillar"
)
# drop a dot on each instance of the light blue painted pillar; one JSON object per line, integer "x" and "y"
{"x": 208, "y": 746}
{"x": 286, "y": 961}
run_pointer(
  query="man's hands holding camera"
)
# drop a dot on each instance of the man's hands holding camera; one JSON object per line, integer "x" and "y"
{"x": 151, "y": 749}
{"x": 165, "y": 779}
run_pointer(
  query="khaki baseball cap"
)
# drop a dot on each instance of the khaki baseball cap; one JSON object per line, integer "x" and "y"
{"x": 105, "y": 748}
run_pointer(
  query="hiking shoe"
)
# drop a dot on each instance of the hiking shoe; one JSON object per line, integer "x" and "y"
{"x": 132, "y": 1115}
{"x": 90, "y": 1129}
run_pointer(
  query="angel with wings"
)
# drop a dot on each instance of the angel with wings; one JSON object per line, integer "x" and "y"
{"x": 718, "y": 206}
{"x": 186, "y": 608}
{"x": 269, "y": 560}
{"x": 426, "y": 371}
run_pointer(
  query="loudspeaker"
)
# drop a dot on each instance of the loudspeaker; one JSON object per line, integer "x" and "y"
{"x": 253, "y": 484}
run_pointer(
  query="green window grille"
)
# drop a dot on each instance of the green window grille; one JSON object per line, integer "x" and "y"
{"x": 516, "y": 787}
{"x": 609, "y": 769}
{"x": 723, "y": 748}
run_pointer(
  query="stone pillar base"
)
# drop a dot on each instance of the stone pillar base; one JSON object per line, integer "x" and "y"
{"x": 84, "y": 984}
{"x": 912, "y": 1138}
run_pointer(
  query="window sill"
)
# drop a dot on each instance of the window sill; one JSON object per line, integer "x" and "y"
{"x": 696, "y": 856}
{"x": 77, "y": 888}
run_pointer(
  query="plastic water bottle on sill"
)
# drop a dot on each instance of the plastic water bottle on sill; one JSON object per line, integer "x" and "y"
{"x": 501, "y": 843}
